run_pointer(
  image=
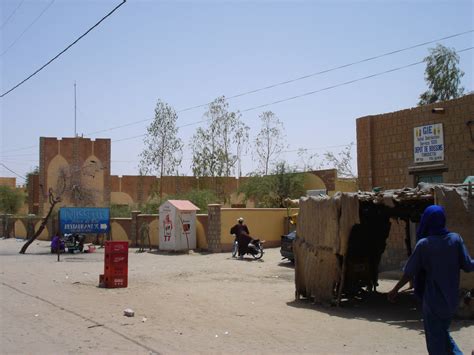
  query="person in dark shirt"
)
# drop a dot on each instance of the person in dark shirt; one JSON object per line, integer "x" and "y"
{"x": 242, "y": 234}
{"x": 435, "y": 264}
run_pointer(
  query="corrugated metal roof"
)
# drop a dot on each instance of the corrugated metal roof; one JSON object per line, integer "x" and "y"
{"x": 184, "y": 205}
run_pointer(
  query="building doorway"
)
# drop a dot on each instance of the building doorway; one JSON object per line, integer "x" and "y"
{"x": 430, "y": 178}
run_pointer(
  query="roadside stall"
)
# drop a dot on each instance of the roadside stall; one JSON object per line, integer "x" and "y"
{"x": 340, "y": 239}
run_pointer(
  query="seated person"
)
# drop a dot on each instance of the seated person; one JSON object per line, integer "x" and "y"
{"x": 242, "y": 234}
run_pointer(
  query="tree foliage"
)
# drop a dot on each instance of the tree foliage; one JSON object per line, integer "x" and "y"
{"x": 215, "y": 147}
{"x": 308, "y": 161}
{"x": 120, "y": 211}
{"x": 162, "y": 153}
{"x": 342, "y": 162}
{"x": 442, "y": 75}
{"x": 270, "y": 140}
{"x": 271, "y": 191}
{"x": 11, "y": 199}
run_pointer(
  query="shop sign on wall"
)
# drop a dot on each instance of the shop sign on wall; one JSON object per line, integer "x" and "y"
{"x": 428, "y": 145}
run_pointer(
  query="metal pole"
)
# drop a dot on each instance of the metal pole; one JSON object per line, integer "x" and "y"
{"x": 75, "y": 109}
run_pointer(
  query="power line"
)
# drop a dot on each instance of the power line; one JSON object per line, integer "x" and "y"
{"x": 145, "y": 120}
{"x": 18, "y": 149}
{"x": 295, "y": 79}
{"x": 144, "y": 134}
{"x": 342, "y": 84}
{"x": 64, "y": 50}
{"x": 11, "y": 15}
{"x": 10, "y": 170}
{"x": 16, "y": 161}
{"x": 128, "y": 138}
{"x": 282, "y": 100}
{"x": 16, "y": 155}
{"x": 27, "y": 28}
{"x": 283, "y": 151}
{"x": 319, "y": 148}
{"x": 349, "y": 64}
{"x": 307, "y": 93}
{"x": 332, "y": 69}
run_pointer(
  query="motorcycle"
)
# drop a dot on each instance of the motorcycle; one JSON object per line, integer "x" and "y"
{"x": 254, "y": 248}
{"x": 74, "y": 242}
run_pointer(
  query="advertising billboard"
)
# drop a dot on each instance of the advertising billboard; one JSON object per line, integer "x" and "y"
{"x": 83, "y": 220}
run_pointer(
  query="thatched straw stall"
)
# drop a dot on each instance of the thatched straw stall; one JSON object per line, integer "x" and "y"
{"x": 340, "y": 239}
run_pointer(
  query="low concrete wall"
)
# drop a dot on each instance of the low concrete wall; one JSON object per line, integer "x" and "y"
{"x": 267, "y": 224}
{"x": 22, "y": 227}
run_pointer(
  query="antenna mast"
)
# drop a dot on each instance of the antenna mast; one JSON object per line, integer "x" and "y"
{"x": 75, "y": 111}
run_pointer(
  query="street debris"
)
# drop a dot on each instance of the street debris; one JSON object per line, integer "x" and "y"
{"x": 129, "y": 312}
{"x": 95, "y": 325}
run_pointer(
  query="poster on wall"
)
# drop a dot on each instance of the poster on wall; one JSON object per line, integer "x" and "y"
{"x": 428, "y": 144}
{"x": 167, "y": 224}
{"x": 186, "y": 219}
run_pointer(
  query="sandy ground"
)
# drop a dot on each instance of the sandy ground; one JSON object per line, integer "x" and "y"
{"x": 197, "y": 303}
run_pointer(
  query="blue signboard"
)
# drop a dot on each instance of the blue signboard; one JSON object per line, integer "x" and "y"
{"x": 84, "y": 220}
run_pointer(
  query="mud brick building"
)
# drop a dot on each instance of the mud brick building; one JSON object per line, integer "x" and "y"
{"x": 386, "y": 145}
{"x": 76, "y": 168}
{"x": 432, "y": 143}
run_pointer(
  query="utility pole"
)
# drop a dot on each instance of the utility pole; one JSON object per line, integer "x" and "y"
{"x": 75, "y": 111}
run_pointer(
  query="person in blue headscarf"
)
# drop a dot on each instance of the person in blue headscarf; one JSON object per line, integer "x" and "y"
{"x": 435, "y": 264}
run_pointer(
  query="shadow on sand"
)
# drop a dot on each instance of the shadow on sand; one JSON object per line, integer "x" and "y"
{"x": 374, "y": 307}
{"x": 286, "y": 263}
{"x": 172, "y": 253}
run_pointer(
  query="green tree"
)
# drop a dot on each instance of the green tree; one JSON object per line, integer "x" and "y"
{"x": 162, "y": 153}
{"x": 216, "y": 147}
{"x": 270, "y": 140}
{"x": 11, "y": 199}
{"x": 271, "y": 191}
{"x": 442, "y": 75}
{"x": 309, "y": 161}
{"x": 120, "y": 211}
{"x": 342, "y": 162}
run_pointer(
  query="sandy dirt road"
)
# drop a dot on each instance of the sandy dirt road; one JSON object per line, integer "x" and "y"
{"x": 196, "y": 303}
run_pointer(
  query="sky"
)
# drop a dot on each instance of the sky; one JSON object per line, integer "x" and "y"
{"x": 187, "y": 53}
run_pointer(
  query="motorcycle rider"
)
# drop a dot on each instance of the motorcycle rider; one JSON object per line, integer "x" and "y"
{"x": 241, "y": 231}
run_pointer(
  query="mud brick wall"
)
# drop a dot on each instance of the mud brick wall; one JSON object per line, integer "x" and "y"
{"x": 385, "y": 144}
{"x": 72, "y": 154}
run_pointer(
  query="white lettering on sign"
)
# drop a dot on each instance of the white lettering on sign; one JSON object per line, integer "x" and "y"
{"x": 428, "y": 143}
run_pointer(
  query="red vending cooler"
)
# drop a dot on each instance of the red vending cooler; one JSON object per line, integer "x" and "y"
{"x": 115, "y": 265}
